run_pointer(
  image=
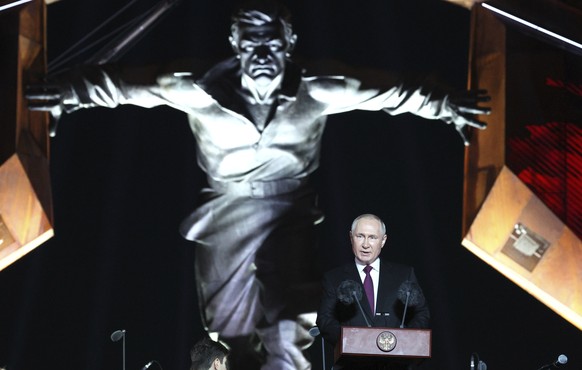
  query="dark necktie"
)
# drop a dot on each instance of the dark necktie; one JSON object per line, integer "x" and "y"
{"x": 369, "y": 286}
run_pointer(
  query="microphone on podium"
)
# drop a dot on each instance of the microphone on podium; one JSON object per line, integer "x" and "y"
{"x": 410, "y": 294}
{"x": 348, "y": 292}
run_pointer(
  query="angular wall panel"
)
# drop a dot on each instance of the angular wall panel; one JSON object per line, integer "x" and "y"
{"x": 522, "y": 211}
{"x": 25, "y": 196}
{"x": 519, "y": 236}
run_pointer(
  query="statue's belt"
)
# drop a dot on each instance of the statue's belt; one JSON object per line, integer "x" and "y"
{"x": 257, "y": 189}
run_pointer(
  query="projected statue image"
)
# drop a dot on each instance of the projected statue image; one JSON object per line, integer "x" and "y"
{"x": 258, "y": 124}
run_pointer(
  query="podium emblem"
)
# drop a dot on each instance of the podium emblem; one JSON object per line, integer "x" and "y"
{"x": 386, "y": 341}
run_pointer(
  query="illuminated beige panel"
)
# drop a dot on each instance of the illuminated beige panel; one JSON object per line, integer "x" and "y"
{"x": 545, "y": 259}
{"x": 24, "y": 224}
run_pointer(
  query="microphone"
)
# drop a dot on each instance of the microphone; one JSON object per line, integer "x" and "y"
{"x": 314, "y": 331}
{"x": 348, "y": 292}
{"x": 410, "y": 291}
{"x": 117, "y": 335}
{"x": 410, "y": 294}
{"x": 560, "y": 361}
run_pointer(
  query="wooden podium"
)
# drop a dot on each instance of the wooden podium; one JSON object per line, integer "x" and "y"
{"x": 379, "y": 345}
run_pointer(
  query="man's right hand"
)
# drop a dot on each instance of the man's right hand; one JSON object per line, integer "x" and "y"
{"x": 46, "y": 98}
{"x": 463, "y": 106}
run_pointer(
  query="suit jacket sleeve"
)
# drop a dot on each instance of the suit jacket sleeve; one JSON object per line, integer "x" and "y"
{"x": 420, "y": 314}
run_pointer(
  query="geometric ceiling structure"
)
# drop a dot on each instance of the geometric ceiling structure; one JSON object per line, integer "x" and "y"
{"x": 522, "y": 209}
{"x": 25, "y": 197}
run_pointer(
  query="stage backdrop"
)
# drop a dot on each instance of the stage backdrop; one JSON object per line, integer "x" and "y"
{"x": 123, "y": 179}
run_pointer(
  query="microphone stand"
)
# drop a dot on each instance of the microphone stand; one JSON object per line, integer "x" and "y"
{"x": 115, "y": 337}
{"x": 361, "y": 309}
{"x": 405, "y": 309}
{"x": 123, "y": 351}
{"x": 314, "y": 332}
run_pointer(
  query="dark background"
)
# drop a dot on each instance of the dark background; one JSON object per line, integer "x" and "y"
{"x": 123, "y": 179}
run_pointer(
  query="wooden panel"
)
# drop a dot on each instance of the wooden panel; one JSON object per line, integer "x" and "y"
{"x": 8, "y": 75}
{"x": 25, "y": 195}
{"x": 485, "y": 156}
{"x": 25, "y": 224}
{"x": 554, "y": 275}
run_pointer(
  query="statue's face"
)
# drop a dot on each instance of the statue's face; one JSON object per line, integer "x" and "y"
{"x": 262, "y": 51}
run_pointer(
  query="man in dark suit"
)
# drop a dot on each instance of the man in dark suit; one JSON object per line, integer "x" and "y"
{"x": 381, "y": 300}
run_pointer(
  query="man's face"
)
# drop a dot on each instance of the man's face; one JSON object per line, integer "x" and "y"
{"x": 367, "y": 240}
{"x": 262, "y": 51}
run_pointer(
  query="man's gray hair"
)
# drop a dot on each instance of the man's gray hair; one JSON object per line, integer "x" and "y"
{"x": 374, "y": 217}
{"x": 261, "y": 13}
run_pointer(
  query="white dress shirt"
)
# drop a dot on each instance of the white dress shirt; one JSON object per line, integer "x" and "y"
{"x": 375, "y": 274}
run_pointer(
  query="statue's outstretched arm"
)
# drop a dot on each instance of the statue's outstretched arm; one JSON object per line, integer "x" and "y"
{"x": 100, "y": 86}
